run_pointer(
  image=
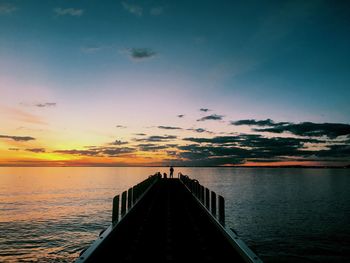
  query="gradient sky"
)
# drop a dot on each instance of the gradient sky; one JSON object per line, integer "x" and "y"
{"x": 104, "y": 82}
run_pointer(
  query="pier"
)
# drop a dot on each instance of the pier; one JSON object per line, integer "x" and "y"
{"x": 168, "y": 220}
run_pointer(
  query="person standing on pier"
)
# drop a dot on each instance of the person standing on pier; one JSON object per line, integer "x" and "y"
{"x": 171, "y": 172}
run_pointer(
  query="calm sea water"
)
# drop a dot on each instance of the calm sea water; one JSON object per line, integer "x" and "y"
{"x": 285, "y": 215}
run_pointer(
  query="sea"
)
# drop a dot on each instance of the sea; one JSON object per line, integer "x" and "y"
{"x": 283, "y": 214}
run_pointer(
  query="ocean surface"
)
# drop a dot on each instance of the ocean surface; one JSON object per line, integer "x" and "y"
{"x": 284, "y": 215}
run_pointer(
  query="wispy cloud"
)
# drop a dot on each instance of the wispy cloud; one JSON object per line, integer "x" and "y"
{"x": 121, "y": 126}
{"x": 36, "y": 150}
{"x": 20, "y": 115}
{"x": 213, "y": 117}
{"x": 118, "y": 142}
{"x": 156, "y": 11}
{"x": 261, "y": 123}
{"x": 169, "y": 128}
{"x": 133, "y": 9}
{"x": 204, "y": 109}
{"x": 156, "y": 138}
{"x": 17, "y": 138}
{"x": 68, "y": 11}
{"x": 39, "y": 104}
{"x": 140, "y": 53}
{"x": 6, "y": 8}
{"x": 150, "y": 147}
{"x": 100, "y": 151}
{"x": 46, "y": 104}
{"x": 92, "y": 49}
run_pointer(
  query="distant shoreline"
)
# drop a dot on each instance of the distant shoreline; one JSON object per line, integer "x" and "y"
{"x": 145, "y": 166}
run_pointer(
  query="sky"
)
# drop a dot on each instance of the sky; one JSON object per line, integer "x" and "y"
{"x": 196, "y": 83}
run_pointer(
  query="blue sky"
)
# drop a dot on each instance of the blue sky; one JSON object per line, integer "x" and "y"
{"x": 287, "y": 61}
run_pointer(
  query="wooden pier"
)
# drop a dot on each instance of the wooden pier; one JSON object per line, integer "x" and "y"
{"x": 168, "y": 220}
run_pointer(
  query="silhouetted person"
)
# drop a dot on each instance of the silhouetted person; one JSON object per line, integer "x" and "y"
{"x": 164, "y": 175}
{"x": 171, "y": 172}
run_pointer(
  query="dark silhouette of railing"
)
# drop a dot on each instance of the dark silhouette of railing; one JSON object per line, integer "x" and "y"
{"x": 130, "y": 197}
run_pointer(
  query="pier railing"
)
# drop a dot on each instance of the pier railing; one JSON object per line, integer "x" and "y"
{"x": 130, "y": 197}
{"x": 214, "y": 205}
{"x": 121, "y": 207}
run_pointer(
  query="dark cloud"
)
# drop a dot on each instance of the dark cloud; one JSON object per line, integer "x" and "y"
{"x": 331, "y": 130}
{"x": 36, "y": 150}
{"x": 180, "y": 115}
{"x": 17, "y": 138}
{"x": 141, "y": 53}
{"x": 248, "y": 147}
{"x": 204, "y": 109}
{"x": 120, "y": 126}
{"x": 214, "y": 117}
{"x": 262, "y": 123}
{"x": 156, "y": 138}
{"x": 118, "y": 142}
{"x": 169, "y": 128}
{"x": 149, "y": 147}
{"x": 199, "y": 130}
{"x": 100, "y": 151}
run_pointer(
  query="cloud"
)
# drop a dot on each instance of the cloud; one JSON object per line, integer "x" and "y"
{"x": 214, "y": 117}
{"x": 100, "y": 151}
{"x": 46, "y": 104}
{"x": 133, "y": 9}
{"x": 20, "y": 115}
{"x": 36, "y": 150}
{"x": 157, "y": 11}
{"x": 140, "y": 134}
{"x": 169, "y": 128}
{"x": 6, "y": 8}
{"x": 180, "y": 116}
{"x": 310, "y": 129}
{"x": 92, "y": 49}
{"x": 199, "y": 130}
{"x": 262, "y": 123}
{"x": 156, "y": 138}
{"x": 68, "y": 11}
{"x": 204, "y": 109}
{"x": 140, "y": 53}
{"x": 149, "y": 147}
{"x": 120, "y": 126}
{"x": 118, "y": 142}
{"x": 17, "y": 138}
{"x": 13, "y": 149}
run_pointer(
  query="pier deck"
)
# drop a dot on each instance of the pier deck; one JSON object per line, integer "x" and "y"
{"x": 167, "y": 225}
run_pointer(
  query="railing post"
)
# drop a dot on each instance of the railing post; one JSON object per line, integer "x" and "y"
{"x": 115, "y": 209}
{"x": 221, "y": 210}
{"x": 213, "y": 203}
{"x": 123, "y": 206}
{"x": 202, "y": 194}
{"x": 207, "y": 197}
{"x": 129, "y": 198}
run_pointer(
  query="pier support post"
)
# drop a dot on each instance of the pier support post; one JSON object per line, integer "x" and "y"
{"x": 115, "y": 209}
{"x": 213, "y": 203}
{"x": 123, "y": 206}
{"x": 221, "y": 210}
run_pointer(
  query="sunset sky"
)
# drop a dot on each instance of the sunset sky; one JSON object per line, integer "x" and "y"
{"x": 174, "y": 82}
